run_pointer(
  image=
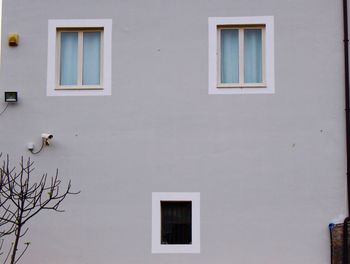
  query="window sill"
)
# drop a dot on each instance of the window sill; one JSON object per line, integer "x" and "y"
{"x": 78, "y": 88}
{"x": 242, "y": 86}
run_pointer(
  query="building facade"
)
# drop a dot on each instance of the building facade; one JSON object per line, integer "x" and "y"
{"x": 227, "y": 113}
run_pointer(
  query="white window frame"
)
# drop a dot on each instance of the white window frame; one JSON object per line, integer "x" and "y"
{"x": 157, "y": 197}
{"x": 55, "y": 26}
{"x": 266, "y": 23}
{"x": 79, "y": 85}
{"x": 241, "y": 83}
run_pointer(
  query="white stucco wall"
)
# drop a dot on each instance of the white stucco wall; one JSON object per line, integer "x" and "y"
{"x": 270, "y": 169}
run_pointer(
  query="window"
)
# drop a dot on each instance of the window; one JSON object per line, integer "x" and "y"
{"x": 79, "y": 57}
{"x": 175, "y": 223}
{"x": 241, "y": 56}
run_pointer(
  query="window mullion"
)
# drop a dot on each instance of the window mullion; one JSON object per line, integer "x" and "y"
{"x": 80, "y": 59}
{"x": 241, "y": 56}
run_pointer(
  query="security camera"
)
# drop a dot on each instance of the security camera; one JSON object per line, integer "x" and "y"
{"x": 46, "y": 136}
{"x": 44, "y": 142}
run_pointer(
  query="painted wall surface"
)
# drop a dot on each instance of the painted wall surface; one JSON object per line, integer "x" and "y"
{"x": 270, "y": 169}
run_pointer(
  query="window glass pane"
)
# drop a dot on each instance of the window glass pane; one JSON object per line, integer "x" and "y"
{"x": 176, "y": 222}
{"x": 69, "y": 58}
{"x": 252, "y": 55}
{"x": 91, "y": 58}
{"x": 229, "y": 56}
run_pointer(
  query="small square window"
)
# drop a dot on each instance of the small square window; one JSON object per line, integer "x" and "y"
{"x": 79, "y": 57}
{"x": 175, "y": 223}
{"x": 241, "y": 55}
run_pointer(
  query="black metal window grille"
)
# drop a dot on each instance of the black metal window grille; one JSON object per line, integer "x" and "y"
{"x": 176, "y": 222}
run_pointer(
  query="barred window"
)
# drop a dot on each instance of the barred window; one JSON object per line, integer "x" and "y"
{"x": 176, "y": 222}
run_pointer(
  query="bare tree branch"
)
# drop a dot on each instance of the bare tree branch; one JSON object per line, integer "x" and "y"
{"x": 22, "y": 198}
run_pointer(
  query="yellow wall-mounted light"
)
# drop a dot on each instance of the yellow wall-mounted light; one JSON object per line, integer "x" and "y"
{"x": 13, "y": 39}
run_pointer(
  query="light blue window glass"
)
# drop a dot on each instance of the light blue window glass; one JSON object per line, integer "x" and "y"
{"x": 252, "y": 55}
{"x": 229, "y": 56}
{"x": 69, "y": 58}
{"x": 91, "y": 58}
